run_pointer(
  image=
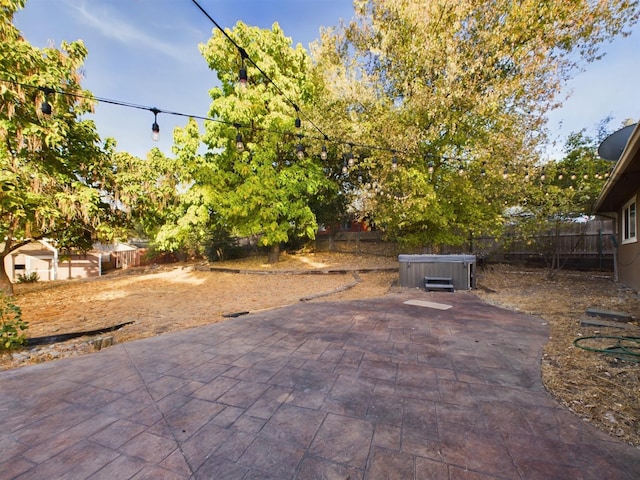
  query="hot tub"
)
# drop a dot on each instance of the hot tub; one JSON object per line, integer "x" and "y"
{"x": 459, "y": 268}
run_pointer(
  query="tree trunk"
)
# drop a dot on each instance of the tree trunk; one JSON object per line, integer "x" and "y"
{"x": 332, "y": 240}
{"x": 5, "y": 284}
{"x": 274, "y": 253}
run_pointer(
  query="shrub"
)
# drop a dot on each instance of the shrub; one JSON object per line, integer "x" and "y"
{"x": 29, "y": 277}
{"x": 12, "y": 327}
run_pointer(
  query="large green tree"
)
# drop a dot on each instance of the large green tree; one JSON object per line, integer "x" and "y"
{"x": 460, "y": 90}
{"x": 54, "y": 168}
{"x": 267, "y": 189}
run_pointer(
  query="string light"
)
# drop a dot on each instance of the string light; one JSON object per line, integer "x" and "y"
{"x": 300, "y": 148}
{"x": 155, "y": 128}
{"x": 45, "y": 107}
{"x": 242, "y": 74}
{"x": 239, "y": 142}
{"x": 349, "y": 160}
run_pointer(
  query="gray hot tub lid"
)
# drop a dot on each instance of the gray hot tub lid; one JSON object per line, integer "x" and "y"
{"x": 428, "y": 258}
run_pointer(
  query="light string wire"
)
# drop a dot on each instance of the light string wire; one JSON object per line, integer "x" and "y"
{"x": 49, "y": 90}
{"x": 122, "y": 103}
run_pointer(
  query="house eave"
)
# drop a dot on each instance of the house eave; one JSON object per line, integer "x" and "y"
{"x": 628, "y": 157}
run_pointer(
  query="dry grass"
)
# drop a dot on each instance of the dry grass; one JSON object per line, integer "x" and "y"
{"x": 597, "y": 387}
{"x": 167, "y": 298}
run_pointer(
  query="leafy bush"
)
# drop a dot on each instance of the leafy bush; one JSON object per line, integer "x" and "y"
{"x": 29, "y": 277}
{"x": 12, "y": 327}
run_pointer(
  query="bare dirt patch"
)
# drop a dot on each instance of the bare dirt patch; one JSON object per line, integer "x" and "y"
{"x": 160, "y": 299}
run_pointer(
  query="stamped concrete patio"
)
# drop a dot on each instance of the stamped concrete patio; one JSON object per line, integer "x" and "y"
{"x": 374, "y": 389}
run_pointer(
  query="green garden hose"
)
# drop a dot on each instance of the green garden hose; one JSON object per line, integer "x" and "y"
{"x": 625, "y": 348}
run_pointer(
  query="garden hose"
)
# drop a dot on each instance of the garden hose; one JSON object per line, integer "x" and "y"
{"x": 625, "y": 348}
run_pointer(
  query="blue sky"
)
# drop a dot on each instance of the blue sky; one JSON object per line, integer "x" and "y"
{"x": 146, "y": 52}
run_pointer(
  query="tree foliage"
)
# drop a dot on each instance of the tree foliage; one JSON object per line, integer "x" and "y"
{"x": 54, "y": 168}
{"x": 560, "y": 193}
{"x": 265, "y": 190}
{"x": 457, "y": 85}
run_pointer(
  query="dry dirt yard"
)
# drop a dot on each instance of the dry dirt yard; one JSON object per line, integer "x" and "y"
{"x": 160, "y": 299}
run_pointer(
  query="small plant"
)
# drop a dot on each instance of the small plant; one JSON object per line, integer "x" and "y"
{"x": 12, "y": 327}
{"x": 29, "y": 277}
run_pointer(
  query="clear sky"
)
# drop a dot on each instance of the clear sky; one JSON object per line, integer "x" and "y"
{"x": 146, "y": 52}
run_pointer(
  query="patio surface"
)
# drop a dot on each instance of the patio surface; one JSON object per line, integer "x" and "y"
{"x": 372, "y": 389}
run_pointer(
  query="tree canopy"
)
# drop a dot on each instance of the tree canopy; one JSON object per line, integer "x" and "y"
{"x": 54, "y": 167}
{"x": 269, "y": 186}
{"x": 461, "y": 90}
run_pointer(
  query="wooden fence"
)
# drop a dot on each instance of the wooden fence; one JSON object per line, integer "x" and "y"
{"x": 578, "y": 246}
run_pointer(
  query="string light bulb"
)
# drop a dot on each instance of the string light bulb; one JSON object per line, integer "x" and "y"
{"x": 155, "y": 128}
{"x": 394, "y": 162}
{"x": 351, "y": 160}
{"x": 239, "y": 142}
{"x": 45, "y": 107}
{"x": 505, "y": 173}
{"x": 345, "y": 168}
{"x": 298, "y": 122}
{"x": 430, "y": 167}
{"x": 242, "y": 74}
{"x": 300, "y": 148}
{"x": 323, "y": 152}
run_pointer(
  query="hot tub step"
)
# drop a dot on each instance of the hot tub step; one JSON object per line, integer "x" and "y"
{"x": 438, "y": 283}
